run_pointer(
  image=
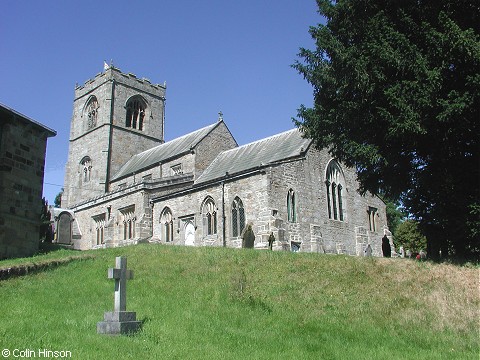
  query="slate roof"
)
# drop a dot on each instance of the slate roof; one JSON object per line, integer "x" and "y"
{"x": 165, "y": 151}
{"x": 260, "y": 153}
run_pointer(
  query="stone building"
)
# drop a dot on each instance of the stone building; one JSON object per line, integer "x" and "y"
{"x": 23, "y": 144}
{"x": 124, "y": 184}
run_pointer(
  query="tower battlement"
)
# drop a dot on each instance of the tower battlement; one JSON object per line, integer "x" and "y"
{"x": 129, "y": 79}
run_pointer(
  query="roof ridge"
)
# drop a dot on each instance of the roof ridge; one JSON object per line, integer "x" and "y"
{"x": 261, "y": 140}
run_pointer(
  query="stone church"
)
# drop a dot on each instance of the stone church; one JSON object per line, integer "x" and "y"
{"x": 124, "y": 184}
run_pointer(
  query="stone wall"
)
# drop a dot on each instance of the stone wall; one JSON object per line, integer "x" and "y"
{"x": 264, "y": 197}
{"x": 108, "y": 142}
{"x": 22, "y": 160}
{"x": 218, "y": 140}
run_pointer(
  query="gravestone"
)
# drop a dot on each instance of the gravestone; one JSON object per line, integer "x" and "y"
{"x": 368, "y": 251}
{"x": 64, "y": 229}
{"x": 119, "y": 321}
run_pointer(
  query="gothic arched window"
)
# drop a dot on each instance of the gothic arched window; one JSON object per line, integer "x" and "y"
{"x": 209, "y": 214}
{"x": 291, "y": 206}
{"x": 91, "y": 112}
{"x": 100, "y": 225}
{"x": 238, "y": 217}
{"x": 86, "y": 168}
{"x": 128, "y": 220}
{"x": 166, "y": 220}
{"x": 334, "y": 185}
{"x": 135, "y": 113}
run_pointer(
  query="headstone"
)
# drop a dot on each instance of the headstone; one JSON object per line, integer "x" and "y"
{"x": 402, "y": 252}
{"x": 119, "y": 321}
{"x": 368, "y": 251}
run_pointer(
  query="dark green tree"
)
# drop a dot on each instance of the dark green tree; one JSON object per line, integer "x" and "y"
{"x": 395, "y": 214}
{"x": 45, "y": 223}
{"x": 396, "y": 96}
{"x": 409, "y": 236}
{"x": 58, "y": 199}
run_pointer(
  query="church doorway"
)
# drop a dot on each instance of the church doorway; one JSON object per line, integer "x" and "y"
{"x": 189, "y": 234}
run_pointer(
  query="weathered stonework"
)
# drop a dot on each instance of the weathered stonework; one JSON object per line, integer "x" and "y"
{"x": 23, "y": 144}
{"x": 108, "y": 142}
{"x": 202, "y": 189}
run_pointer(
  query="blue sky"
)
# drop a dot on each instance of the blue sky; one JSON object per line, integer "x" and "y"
{"x": 226, "y": 55}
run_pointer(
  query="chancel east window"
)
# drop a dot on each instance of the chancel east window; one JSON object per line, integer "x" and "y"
{"x": 209, "y": 214}
{"x": 291, "y": 206}
{"x": 91, "y": 112}
{"x": 166, "y": 221}
{"x": 334, "y": 187}
{"x": 135, "y": 113}
{"x": 238, "y": 217}
{"x": 86, "y": 169}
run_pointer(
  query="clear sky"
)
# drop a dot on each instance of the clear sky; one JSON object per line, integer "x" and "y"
{"x": 215, "y": 55}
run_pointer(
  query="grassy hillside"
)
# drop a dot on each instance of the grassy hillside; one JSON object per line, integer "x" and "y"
{"x": 215, "y": 303}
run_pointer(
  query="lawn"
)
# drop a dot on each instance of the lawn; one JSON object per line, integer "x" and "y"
{"x": 216, "y": 303}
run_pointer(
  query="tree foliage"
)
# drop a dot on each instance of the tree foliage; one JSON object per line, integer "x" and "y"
{"x": 45, "y": 223}
{"x": 396, "y": 96}
{"x": 409, "y": 236}
{"x": 58, "y": 199}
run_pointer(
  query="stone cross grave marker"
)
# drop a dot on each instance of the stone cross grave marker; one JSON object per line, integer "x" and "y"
{"x": 121, "y": 275}
{"x": 120, "y": 321}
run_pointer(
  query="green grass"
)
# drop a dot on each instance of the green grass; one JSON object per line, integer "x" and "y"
{"x": 215, "y": 303}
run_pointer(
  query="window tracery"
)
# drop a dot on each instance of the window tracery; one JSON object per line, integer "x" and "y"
{"x": 210, "y": 217}
{"x": 135, "y": 113}
{"x": 91, "y": 111}
{"x": 86, "y": 169}
{"x": 238, "y": 217}
{"x": 334, "y": 187}
{"x": 166, "y": 220}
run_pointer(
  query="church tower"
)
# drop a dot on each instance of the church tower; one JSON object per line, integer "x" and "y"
{"x": 115, "y": 116}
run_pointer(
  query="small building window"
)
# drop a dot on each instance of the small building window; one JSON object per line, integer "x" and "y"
{"x": 291, "y": 206}
{"x": 135, "y": 113}
{"x": 166, "y": 220}
{"x": 209, "y": 213}
{"x": 238, "y": 217}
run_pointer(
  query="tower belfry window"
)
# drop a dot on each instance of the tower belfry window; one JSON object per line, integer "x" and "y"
{"x": 135, "y": 113}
